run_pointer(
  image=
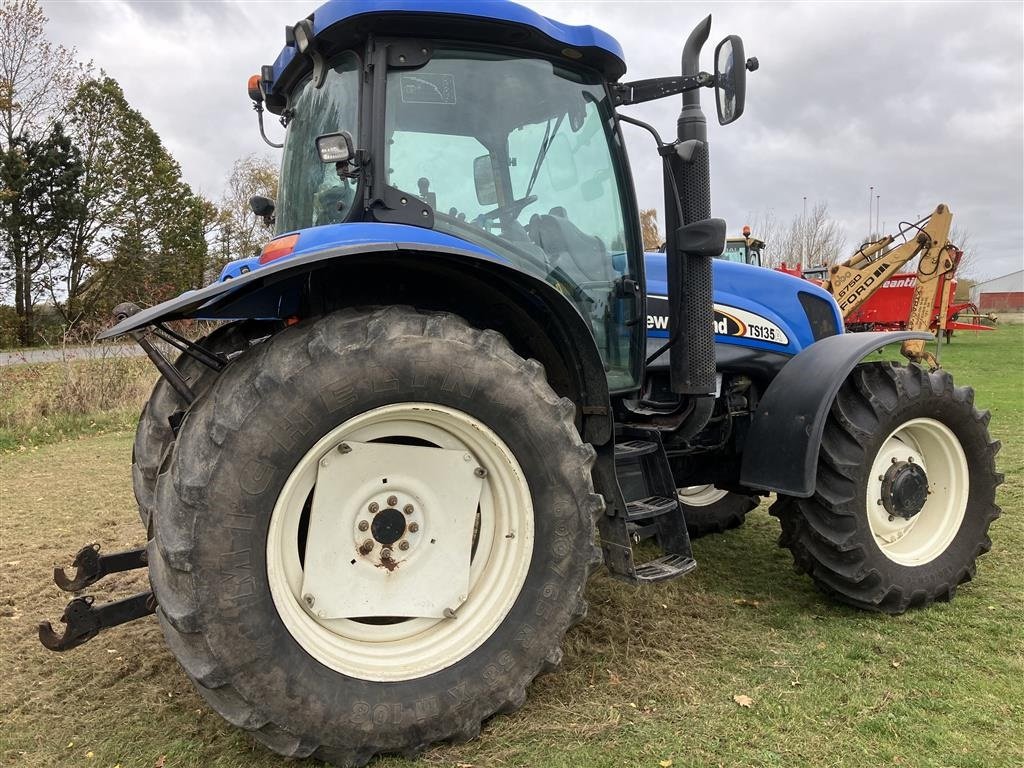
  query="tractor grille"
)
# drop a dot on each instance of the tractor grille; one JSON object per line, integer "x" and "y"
{"x": 819, "y": 314}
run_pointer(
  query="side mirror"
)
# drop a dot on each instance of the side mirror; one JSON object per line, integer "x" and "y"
{"x": 335, "y": 147}
{"x": 730, "y": 79}
{"x": 561, "y": 166}
{"x": 483, "y": 179}
{"x": 263, "y": 207}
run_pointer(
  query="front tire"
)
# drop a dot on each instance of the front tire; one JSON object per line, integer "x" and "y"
{"x": 232, "y": 531}
{"x": 709, "y": 510}
{"x": 905, "y": 491}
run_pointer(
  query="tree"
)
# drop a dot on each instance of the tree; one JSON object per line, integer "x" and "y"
{"x": 40, "y": 181}
{"x": 36, "y": 77}
{"x": 141, "y": 233}
{"x": 814, "y": 239}
{"x": 653, "y": 239}
{"x": 239, "y": 233}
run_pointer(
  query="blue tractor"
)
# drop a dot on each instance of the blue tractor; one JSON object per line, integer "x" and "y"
{"x": 453, "y": 385}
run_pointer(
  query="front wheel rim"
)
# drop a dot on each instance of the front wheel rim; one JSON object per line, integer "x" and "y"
{"x": 414, "y": 647}
{"x": 928, "y": 533}
{"x": 700, "y": 495}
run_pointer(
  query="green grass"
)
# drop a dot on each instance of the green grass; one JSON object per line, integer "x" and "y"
{"x": 649, "y": 676}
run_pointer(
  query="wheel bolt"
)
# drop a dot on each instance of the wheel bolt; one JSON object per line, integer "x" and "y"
{"x": 408, "y": 509}
{"x": 385, "y": 554}
{"x": 363, "y": 525}
{"x": 309, "y": 600}
{"x": 374, "y": 508}
{"x": 413, "y": 527}
{"x": 392, "y": 500}
{"x": 367, "y": 547}
{"x": 403, "y": 545}
{"x": 480, "y": 472}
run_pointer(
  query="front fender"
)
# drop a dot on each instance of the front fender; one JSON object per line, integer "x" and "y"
{"x": 781, "y": 450}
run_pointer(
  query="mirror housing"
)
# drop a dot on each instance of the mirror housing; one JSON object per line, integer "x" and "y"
{"x": 483, "y": 180}
{"x": 704, "y": 239}
{"x": 263, "y": 207}
{"x": 730, "y": 79}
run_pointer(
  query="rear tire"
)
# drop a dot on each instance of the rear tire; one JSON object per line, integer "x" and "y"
{"x": 253, "y": 651}
{"x": 879, "y": 533}
{"x": 709, "y": 510}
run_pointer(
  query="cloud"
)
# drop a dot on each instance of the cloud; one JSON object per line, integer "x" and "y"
{"x": 922, "y": 101}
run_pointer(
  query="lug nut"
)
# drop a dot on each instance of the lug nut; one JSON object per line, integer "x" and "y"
{"x": 403, "y": 545}
{"x": 413, "y": 527}
{"x": 374, "y": 508}
{"x": 367, "y": 547}
{"x": 385, "y": 554}
{"x": 392, "y": 500}
{"x": 363, "y": 525}
{"x": 408, "y": 509}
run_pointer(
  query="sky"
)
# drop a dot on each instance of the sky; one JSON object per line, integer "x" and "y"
{"x": 922, "y": 101}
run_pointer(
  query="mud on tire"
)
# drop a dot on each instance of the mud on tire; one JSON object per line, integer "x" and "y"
{"x": 842, "y": 536}
{"x": 235, "y": 452}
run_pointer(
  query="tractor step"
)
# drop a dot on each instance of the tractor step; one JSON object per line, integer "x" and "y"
{"x": 634, "y": 449}
{"x": 664, "y": 568}
{"x": 85, "y": 619}
{"x": 651, "y": 505}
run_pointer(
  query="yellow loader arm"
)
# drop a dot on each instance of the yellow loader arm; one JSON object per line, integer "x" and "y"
{"x": 853, "y": 281}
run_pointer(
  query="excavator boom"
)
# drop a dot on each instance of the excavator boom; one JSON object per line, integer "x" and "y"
{"x": 857, "y": 278}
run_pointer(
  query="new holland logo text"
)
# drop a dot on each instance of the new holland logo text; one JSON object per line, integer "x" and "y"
{"x": 728, "y": 321}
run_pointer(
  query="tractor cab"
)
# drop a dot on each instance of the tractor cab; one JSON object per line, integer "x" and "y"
{"x": 743, "y": 250}
{"x": 501, "y": 136}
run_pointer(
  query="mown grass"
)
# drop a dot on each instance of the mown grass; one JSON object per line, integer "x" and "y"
{"x": 648, "y": 677}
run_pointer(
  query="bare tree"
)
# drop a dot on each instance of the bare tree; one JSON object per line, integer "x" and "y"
{"x": 36, "y": 77}
{"x": 815, "y": 239}
{"x": 238, "y": 232}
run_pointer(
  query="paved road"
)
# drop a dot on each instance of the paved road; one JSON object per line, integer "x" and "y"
{"x": 69, "y": 353}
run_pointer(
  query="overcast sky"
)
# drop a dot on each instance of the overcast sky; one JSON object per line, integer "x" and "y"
{"x": 921, "y": 100}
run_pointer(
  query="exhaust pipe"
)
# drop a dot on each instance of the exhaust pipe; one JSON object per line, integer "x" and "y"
{"x": 688, "y": 192}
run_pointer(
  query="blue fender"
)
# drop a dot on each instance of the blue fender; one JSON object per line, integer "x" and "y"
{"x": 552, "y": 329}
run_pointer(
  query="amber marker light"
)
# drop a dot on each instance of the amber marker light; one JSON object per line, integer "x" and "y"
{"x": 275, "y": 249}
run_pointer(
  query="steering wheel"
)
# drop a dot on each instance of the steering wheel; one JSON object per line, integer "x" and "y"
{"x": 512, "y": 210}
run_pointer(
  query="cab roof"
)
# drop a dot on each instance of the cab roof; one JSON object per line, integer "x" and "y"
{"x": 341, "y": 24}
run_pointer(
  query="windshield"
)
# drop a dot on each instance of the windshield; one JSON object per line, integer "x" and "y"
{"x": 515, "y": 155}
{"x": 311, "y": 192}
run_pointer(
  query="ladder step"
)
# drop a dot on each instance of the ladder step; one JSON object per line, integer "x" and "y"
{"x": 652, "y": 506}
{"x": 664, "y": 568}
{"x": 632, "y": 449}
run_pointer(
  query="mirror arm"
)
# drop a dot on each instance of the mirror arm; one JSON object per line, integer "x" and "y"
{"x": 640, "y": 91}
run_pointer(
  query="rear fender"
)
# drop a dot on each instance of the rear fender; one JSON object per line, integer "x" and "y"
{"x": 781, "y": 449}
{"x": 538, "y": 321}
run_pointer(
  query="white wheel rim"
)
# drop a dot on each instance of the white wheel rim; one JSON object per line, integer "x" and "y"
{"x": 926, "y": 535}
{"x": 700, "y": 495}
{"x": 419, "y": 646}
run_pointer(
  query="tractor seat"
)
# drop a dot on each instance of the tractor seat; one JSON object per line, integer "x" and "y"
{"x": 581, "y": 256}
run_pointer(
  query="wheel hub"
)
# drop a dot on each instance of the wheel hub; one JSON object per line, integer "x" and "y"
{"x": 904, "y": 489}
{"x": 388, "y": 526}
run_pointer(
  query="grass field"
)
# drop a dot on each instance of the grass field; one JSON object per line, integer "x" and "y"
{"x": 649, "y": 677}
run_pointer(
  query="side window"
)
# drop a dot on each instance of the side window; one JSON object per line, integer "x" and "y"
{"x": 438, "y": 169}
